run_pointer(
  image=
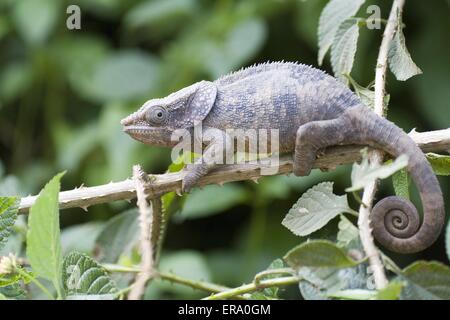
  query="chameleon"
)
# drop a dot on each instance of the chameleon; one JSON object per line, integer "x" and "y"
{"x": 312, "y": 110}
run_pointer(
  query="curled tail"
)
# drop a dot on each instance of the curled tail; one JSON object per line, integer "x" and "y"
{"x": 395, "y": 221}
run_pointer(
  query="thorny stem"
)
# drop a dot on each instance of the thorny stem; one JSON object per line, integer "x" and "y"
{"x": 84, "y": 197}
{"x": 145, "y": 224}
{"x": 375, "y": 157}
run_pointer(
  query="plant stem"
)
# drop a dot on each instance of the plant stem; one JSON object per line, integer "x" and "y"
{"x": 265, "y": 273}
{"x": 36, "y": 282}
{"x": 200, "y": 285}
{"x": 145, "y": 224}
{"x": 375, "y": 157}
{"x": 84, "y": 197}
{"x": 251, "y": 287}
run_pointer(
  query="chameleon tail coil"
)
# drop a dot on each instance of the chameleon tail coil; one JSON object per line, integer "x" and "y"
{"x": 395, "y": 221}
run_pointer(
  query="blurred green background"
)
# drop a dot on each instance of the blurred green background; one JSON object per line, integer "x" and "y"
{"x": 63, "y": 92}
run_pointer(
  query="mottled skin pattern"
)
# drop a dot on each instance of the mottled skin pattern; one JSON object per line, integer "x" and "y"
{"x": 312, "y": 110}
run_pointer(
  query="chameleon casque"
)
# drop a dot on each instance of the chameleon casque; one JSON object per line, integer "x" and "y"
{"x": 312, "y": 110}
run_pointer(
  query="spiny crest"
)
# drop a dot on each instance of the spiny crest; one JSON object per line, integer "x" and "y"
{"x": 262, "y": 67}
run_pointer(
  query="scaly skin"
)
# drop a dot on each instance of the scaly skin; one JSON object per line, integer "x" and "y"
{"x": 312, "y": 111}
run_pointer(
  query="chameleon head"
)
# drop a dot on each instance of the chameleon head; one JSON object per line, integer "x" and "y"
{"x": 157, "y": 119}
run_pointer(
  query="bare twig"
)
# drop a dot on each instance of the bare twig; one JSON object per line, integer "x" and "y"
{"x": 84, "y": 197}
{"x": 375, "y": 156}
{"x": 145, "y": 224}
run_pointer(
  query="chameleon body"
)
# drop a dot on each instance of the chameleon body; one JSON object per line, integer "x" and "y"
{"x": 312, "y": 110}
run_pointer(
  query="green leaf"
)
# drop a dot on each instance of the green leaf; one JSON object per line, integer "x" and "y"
{"x": 241, "y": 43}
{"x": 84, "y": 276}
{"x": 203, "y": 203}
{"x": 366, "y": 95}
{"x": 354, "y": 294}
{"x": 186, "y": 264}
{"x": 400, "y": 62}
{"x": 426, "y": 281}
{"x": 348, "y": 234}
{"x": 318, "y": 253}
{"x": 8, "y": 215}
{"x": 14, "y": 291}
{"x": 159, "y": 14}
{"x": 391, "y": 292}
{"x": 119, "y": 235}
{"x": 440, "y": 163}
{"x": 36, "y": 19}
{"x": 43, "y": 237}
{"x": 14, "y": 80}
{"x": 315, "y": 208}
{"x": 320, "y": 283}
{"x": 365, "y": 173}
{"x": 334, "y": 13}
{"x": 80, "y": 237}
{"x": 124, "y": 75}
{"x": 400, "y": 181}
{"x": 344, "y": 46}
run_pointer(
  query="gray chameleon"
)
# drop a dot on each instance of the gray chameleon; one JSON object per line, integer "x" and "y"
{"x": 312, "y": 110}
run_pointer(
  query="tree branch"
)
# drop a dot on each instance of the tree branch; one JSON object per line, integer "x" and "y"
{"x": 376, "y": 156}
{"x": 84, "y": 197}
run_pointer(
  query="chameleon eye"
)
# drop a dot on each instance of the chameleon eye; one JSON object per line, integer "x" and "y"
{"x": 157, "y": 115}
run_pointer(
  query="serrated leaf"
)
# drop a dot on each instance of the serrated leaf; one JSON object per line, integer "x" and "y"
{"x": 365, "y": 173}
{"x": 344, "y": 46}
{"x": 334, "y": 13}
{"x": 319, "y": 283}
{"x": 14, "y": 291}
{"x": 84, "y": 276}
{"x": 440, "y": 163}
{"x": 366, "y": 95}
{"x": 391, "y": 292}
{"x": 318, "y": 253}
{"x": 8, "y": 216}
{"x": 400, "y": 181}
{"x": 400, "y": 61}
{"x": 43, "y": 237}
{"x": 315, "y": 208}
{"x": 118, "y": 236}
{"x": 348, "y": 234}
{"x": 426, "y": 281}
{"x": 354, "y": 294}
{"x": 92, "y": 297}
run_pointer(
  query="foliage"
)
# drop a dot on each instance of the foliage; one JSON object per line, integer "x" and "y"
{"x": 63, "y": 92}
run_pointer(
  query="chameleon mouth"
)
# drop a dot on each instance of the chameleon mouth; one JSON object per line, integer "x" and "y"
{"x": 137, "y": 130}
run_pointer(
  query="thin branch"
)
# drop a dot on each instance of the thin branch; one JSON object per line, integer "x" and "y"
{"x": 167, "y": 276}
{"x": 376, "y": 156}
{"x": 194, "y": 284}
{"x": 84, "y": 197}
{"x": 145, "y": 224}
{"x": 251, "y": 287}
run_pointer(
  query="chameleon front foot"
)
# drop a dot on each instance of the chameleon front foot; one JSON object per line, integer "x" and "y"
{"x": 193, "y": 176}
